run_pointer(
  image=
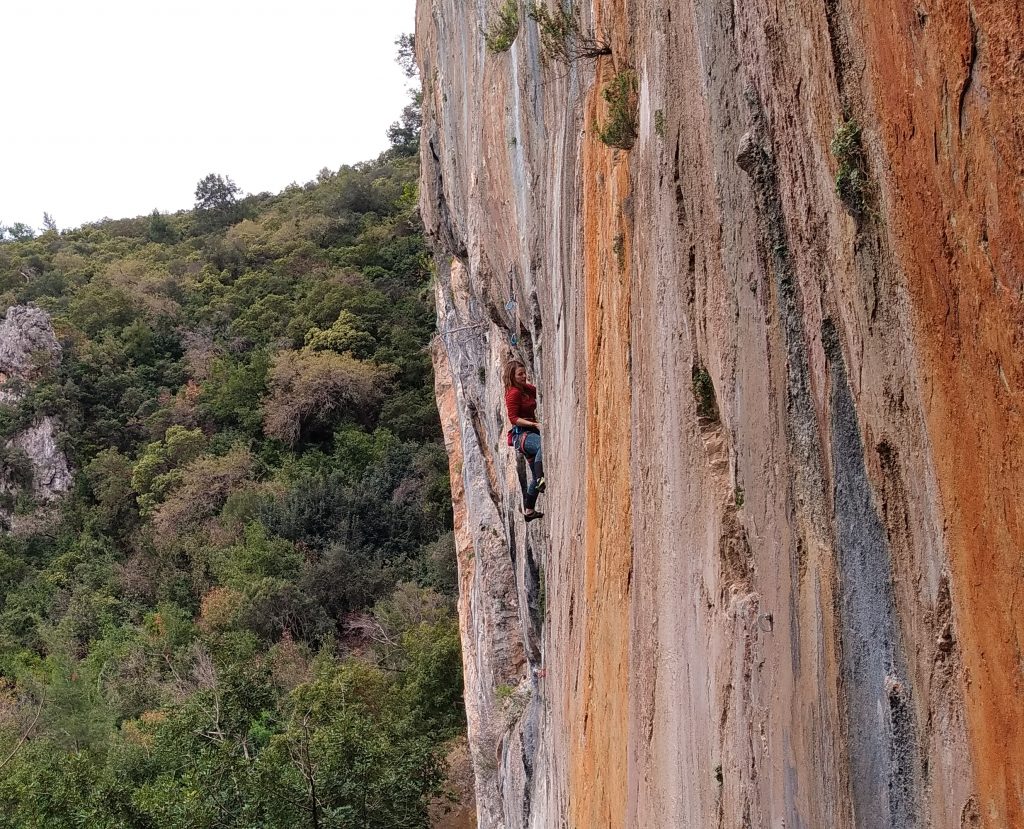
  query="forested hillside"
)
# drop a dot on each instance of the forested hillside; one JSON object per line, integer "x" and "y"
{"x": 241, "y": 614}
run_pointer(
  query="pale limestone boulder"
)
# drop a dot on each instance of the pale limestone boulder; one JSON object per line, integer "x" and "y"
{"x": 29, "y": 348}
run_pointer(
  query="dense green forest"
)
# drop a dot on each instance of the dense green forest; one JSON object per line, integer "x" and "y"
{"x": 242, "y": 613}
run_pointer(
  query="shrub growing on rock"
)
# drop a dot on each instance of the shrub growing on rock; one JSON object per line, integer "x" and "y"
{"x": 562, "y": 37}
{"x": 503, "y": 28}
{"x": 852, "y": 184}
{"x": 620, "y": 129}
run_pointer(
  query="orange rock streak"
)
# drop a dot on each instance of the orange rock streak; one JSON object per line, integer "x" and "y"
{"x": 598, "y": 708}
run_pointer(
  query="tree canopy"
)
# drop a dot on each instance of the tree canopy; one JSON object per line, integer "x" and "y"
{"x": 242, "y": 615}
{"x": 215, "y": 192}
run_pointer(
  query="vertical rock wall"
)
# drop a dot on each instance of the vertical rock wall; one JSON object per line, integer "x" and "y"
{"x": 777, "y": 581}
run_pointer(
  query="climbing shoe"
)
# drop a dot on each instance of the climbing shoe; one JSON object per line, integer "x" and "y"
{"x": 533, "y": 516}
{"x": 541, "y": 484}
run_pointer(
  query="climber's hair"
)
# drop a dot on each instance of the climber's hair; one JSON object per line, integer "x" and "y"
{"x": 510, "y": 373}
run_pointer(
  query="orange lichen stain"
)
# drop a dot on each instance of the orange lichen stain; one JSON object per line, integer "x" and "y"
{"x": 948, "y": 83}
{"x": 598, "y": 708}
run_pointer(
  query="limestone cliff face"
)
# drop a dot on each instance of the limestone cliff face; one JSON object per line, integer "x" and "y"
{"x": 779, "y": 576}
{"x": 33, "y": 462}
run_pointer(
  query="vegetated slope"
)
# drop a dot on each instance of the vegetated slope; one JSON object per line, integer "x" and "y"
{"x": 764, "y": 260}
{"x": 243, "y": 613}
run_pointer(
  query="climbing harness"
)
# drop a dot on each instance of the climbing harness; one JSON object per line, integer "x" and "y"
{"x": 517, "y": 439}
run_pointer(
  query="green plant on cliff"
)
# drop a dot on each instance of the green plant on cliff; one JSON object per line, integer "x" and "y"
{"x": 704, "y": 395}
{"x": 620, "y": 127}
{"x": 504, "y": 692}
{"x": 513, "y": 700}
{"x": 852, "y": 184}
{"x": 562, "y": 37}
{"x": 503, "y": 27}
{"x": 659, "y": 123}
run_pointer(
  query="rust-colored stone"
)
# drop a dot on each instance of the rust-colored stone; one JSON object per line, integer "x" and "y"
{"x": 598, "y": 707}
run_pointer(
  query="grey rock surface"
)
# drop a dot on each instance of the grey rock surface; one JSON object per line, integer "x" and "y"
{"x": 27, "y": 342}
{"x": 28, "y": 349}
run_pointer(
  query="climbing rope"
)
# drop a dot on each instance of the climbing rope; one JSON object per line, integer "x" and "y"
{"x": 461, "y": 328}
{"x": 510, "y": 307}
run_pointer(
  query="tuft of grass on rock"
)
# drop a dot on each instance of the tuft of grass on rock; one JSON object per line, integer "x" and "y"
{"x": 513, "y": 700}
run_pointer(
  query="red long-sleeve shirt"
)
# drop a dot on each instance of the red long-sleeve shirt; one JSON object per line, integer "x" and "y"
{"x": 521, "y": 404}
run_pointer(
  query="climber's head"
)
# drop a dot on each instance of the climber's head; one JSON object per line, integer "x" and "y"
{"x": 515, "y": 375}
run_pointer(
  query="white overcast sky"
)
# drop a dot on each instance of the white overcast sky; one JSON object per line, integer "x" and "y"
{"x": 115, "y": 107}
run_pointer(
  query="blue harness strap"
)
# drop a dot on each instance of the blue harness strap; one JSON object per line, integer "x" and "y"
{"x": 519, "y": 439}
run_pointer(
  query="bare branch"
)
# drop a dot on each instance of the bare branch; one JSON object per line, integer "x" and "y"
{"x": 24, "y": 736}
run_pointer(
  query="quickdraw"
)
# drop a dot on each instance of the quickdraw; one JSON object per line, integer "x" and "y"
{"x": 510, "y": 307}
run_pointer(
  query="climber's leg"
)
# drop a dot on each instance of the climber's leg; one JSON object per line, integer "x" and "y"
{"x": 532, "y": 451}
{"x": 538, "y": 466}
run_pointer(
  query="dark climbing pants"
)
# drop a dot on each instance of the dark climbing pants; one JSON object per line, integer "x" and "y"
{"x": 531, "y": 451}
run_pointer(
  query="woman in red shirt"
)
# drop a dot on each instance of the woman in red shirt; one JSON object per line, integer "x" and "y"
{"x": 521, "y": 405}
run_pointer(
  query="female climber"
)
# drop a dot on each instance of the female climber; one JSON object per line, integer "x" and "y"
{"x": 521, "y": 405}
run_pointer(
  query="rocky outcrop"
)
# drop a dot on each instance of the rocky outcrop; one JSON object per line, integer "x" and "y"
{"x": 33, "y": 462}
{"x": 28, "y": 345}
{"x": 778, "y": 343}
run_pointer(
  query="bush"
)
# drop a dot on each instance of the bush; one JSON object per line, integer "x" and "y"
{"x": 16, "y": 467}
{"x": 157, "y": 470}
{"x": 621, "y": 127}
{"x": 562, "y": 39}
{"x": 852, "y": 184}
{"x": 344, "y": 336}
{"x": 503, "y": 28}
{"x": 202, "y": 488}
{"x": 314, "y": 390}
{"x": 227, "y": 397}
